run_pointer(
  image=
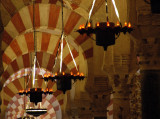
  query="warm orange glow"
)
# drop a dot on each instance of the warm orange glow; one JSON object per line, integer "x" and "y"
{"x": 56, "y": 74}
{"x": 20, "y": 91}
{"x": 77, "y": 73}
{"x": 129, "y": 25}
{"x": 80, "y": 27}
{"x": 118, "y": 23}
{"x": 108, "y": 23}
{"x": 35, "y": 89}
{"x": 82, "y": 74}
{"x": 50, "y": 90}
{"x": 83, "y": 26}
{"x": 125, "y": 24}
{"x": 71, "y": 73}
{"x": 47, "y": 89}
{"x": 28, "y": 89}
{"x": 48, "y": 75}
{"x": 41, "y": 89}
{"x": 52, "y": 75}
{"x": 89, "y": 24}
{"x": 63, "y": 73}
{"x": 97, "y": 24}
{"x": 45, "y": 75}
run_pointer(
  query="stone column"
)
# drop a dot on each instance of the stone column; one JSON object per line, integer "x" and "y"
{"x": 135, "y": 97}
{"x": 121, "y": 92}
{"x": 150, "y": 73}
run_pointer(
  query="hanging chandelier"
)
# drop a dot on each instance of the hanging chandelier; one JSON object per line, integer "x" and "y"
{"x": 35, "y": 94}
{"x": 62, "y": 79}
{"x": 106, "y": 32}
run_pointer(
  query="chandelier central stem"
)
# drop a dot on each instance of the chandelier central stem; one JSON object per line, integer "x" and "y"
{"x": 35, "y": 48}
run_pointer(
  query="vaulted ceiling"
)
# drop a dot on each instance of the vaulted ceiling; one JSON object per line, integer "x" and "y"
{"x": 17, "y": 47}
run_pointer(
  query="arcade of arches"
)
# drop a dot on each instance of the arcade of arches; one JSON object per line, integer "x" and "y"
{"x": 120, "y": 83}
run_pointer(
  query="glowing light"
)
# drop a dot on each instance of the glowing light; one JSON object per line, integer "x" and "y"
{"x": 56, "y": 74}
{"x": 89, "y": 24}
{"x": 77, "y": 73}
{"x": 71, "y": 73}
{"x": 48, "y": 75}
{"x": 108, "y": 23}
{"x": 82, "y": 74}
{"x": 97, "y": 24}
{"x": 63, "y": 73}
{"x": 118, "y": 23}
{"x": 80, "y": 27}
{"x": 45, "y": 75}
{"x": 83, "y": 26}
{"x": 129, "y": 25}
{"x": 125, "y": 24}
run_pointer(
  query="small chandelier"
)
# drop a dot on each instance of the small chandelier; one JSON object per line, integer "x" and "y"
{"x": 106, "y": 32}
{"x": 63, "y": 80}
{"x": 35, "y": 94}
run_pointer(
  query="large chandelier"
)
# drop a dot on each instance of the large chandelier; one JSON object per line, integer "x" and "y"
{"x": 62, "y": 79}
{"x": 106, "y": 32}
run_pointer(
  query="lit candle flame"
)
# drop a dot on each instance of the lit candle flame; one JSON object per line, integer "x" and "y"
{"x": 45, "y": 75}
{"x": 49, "y": 75}
{"x": 118, "y": 23}
{"x": 82, "y": 74}
{"x": 50, "y": 90}
{"x": 89, "y": 24}
{"x": 63, "y": 73}
{"x": 83, "y": 26}
{"x": 129, "y": 25}
{"x": 56, "y": 74}
{"x": 35, "y": 89}
{"x": 97, "y": 24}
{"x": 108, "y": 24}
{"x": 71, "y": 73}
{"x": 77, "y": 73}
{"x": 125, "y": 24}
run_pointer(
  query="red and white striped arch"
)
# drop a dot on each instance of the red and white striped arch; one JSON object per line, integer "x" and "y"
{"x": 15, "y": 108}
{"x": 18, "y": 54}
{"x": 47, "y": 17}
{"x": 81, "y": 7}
